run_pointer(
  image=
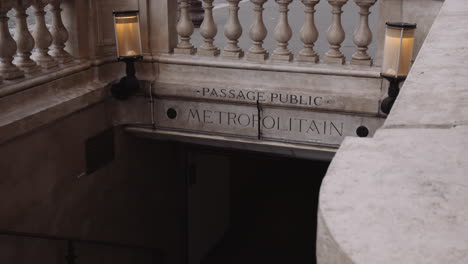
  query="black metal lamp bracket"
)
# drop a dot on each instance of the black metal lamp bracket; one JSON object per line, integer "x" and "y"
{"x": 393, "y": 91}
{"x": 128, "y": 85}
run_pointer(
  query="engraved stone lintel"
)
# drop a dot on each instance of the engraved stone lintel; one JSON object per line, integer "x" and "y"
{"x": 273, "y": 123}
{"x": 258, "y": 57}
{"x": 185, "y": 51}
{"x": 232, "y": 54}
{"x": 282, "y": 57}
{"x": 208, "y": 53}
{"x": 361, "y": 62}
{"x": 302, "y": 58}
{"x": 331, "y": 60}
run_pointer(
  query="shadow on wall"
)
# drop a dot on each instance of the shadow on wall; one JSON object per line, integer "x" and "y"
{"x": 272, "y": 209}
{"x": 266, "y": 206}
{"x": 136, "y": 199}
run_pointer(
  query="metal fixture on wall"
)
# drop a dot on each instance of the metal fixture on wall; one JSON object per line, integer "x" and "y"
{"x": 128, "y": 39}
{"x": 398, "y": 53}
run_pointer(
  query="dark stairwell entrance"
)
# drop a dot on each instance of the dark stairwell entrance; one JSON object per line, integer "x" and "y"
{"x": 251, "y": 208}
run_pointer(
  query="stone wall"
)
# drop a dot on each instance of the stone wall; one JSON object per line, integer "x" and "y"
{"x": 136, "y": 199}
{"x": 401, "y": 196}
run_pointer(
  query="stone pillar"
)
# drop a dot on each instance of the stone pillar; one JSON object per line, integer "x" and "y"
{"x": 75, "y": 18}
{"x": 258, "y": 33}
{"x": 42, "y": 37}
{"x": 363, "y": 35}
{"x": 162, "y": 20}
{"x": 7, "y": 47}
{"x": 185, "y": 30}
{"x": 336, "y": 34}
{"x": 283, "y": 33}
{"x": 24, "y": 39}
{"x": 233, "y": 31}
{"x": 208, "y": 30}
{"x": 309, "y": 33}
{"x": 59, "y": 34}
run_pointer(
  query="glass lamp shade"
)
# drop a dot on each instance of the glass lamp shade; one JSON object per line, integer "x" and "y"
{"x": 127, "y": 34}
{"x": 398, "y": 51}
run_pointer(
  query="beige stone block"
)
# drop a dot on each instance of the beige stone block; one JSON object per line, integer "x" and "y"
{"x": 232, "y": 54}
{"x": 361, "y": 62}
{"x": 280, "y": 57}
{"x": 330, "y": 60}
{"x": 208, "y": 53}
{"x": 313, "y": 59}
{"x": 185, "y": 51}
{"x": 257, "y": 57}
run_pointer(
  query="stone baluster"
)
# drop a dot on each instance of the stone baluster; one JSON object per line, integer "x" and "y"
{"x": 59, "y": 34}
{"x": 335, "y": 34}
{"x": 24, "y": 39}
{"x": 233, "y": 31}
{"x": 309, "y": 33}
{"x": 42, "y": 37}
{"x": 208, "y": 30}
{"x": 363, "y": 35}
{"x": 283, "y": 33}
{"x": 258, "y": 33}
{"x": 185, "y": 30}
{"x": 7, "y": 46}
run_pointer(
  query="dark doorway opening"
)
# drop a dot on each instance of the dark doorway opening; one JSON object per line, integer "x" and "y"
{"x": 248, "y": 207}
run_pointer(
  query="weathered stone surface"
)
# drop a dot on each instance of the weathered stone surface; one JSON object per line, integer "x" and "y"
{"x": 401, "y": 196}
{"x": 261, "y": 122}
{"x": 334, "y": 60}
{"x": 280, "y": 148}
{"x": 317, "y": 91}
{"x": 24, "y": 112}
{"x": 402, "y": 202}
{"x": 257, "y": 57}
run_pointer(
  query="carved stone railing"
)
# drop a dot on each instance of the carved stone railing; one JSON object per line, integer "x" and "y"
{"x": 283, "y": 33}
{"x": 25, "y": 56}
{"x": 27, "y": 53}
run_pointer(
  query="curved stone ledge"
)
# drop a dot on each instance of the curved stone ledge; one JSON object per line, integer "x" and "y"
{"x": 401, "y": 196}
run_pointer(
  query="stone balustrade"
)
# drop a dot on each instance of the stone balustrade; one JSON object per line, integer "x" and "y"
{"x": 25, "y": 53}
{"x": 283, "y": 33}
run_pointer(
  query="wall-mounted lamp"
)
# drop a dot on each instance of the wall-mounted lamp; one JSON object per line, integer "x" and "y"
{"x": 128, "y": 39}
{"x": 398, "y": 53}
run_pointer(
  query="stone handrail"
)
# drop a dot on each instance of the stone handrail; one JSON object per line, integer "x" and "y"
{"x": 257, "y": 53}
{"x": 401, "y": 196}
{"x": 29, "y": 58}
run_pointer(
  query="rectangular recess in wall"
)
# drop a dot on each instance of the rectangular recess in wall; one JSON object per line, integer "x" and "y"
{"x": 99, "y": 150}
